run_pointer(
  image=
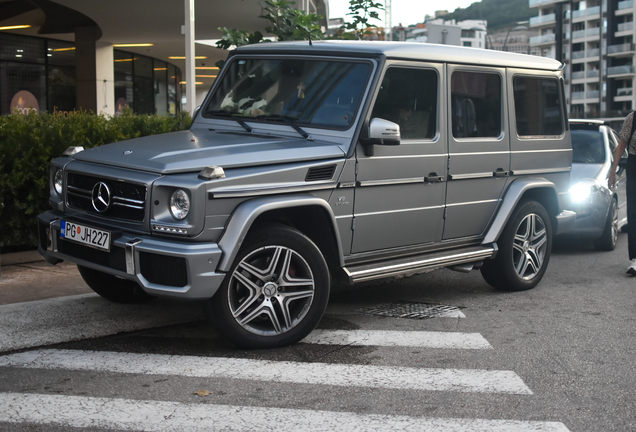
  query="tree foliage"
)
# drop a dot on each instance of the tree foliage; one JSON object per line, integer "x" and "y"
{"x": 361, "y": 12}
{"x": 498, "y": 13}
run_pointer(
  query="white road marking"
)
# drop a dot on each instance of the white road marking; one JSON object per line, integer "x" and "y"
{"x": 422, "y": 339}
{"x": 459, "y": 380}
{"x": 136, "y": 415}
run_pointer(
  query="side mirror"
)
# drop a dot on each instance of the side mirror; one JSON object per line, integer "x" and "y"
{"x": 381, "y": 132}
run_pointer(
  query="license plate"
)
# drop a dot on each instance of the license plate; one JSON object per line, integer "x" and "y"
{"x": 89, "y": 236}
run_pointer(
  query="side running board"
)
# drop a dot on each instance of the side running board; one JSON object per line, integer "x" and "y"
{"x": 430, "y": 261}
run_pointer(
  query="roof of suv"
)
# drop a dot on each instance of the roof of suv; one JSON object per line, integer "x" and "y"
{"x": 405, "y": 51}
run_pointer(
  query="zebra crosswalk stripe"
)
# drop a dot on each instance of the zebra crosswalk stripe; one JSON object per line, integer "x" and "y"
{"x": 390, "y": 377}
{"x": 157, "y": 416}
{"x": 422, "y": 339}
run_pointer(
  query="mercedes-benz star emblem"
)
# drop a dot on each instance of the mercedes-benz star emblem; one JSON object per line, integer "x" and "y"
{"x": 101, "y": 197}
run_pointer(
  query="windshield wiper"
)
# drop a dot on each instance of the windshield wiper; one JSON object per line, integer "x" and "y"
{"x": 225, "y": 113}
{"x": 290, "y": 121}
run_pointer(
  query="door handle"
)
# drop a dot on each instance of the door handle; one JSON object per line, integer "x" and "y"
{"x": 501, "y": 173}
{"x": 433, "y": 178}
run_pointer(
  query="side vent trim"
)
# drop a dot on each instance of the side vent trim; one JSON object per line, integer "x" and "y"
{"x": 320, "y": 173}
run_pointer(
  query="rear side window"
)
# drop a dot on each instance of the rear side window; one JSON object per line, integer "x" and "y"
{"x": 408, "y": 97}
{"x": 537, "y": 106}
{"x": 476, "y": 104}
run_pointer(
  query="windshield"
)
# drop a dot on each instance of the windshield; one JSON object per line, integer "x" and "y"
{"x": 313, "y": 93}
{"x": 587, "y": 146}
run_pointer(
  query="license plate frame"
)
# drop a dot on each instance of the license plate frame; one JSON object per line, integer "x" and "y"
{"x": 86, "y": 235}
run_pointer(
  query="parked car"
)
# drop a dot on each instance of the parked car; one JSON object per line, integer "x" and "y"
{"x": 309, "y": 162}
{"x": 600, "y": 212}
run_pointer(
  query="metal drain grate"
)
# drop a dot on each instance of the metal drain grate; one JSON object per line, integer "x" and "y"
{"x": 415, "y": 310}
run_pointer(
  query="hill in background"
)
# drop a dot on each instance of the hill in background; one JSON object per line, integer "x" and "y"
{"x": 500, "y": 14}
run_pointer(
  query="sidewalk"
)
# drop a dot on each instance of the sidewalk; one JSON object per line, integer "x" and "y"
{"x": 25, "y": 277}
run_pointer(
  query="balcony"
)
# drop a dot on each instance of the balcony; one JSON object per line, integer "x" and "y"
{"x": 628, "y": 4}
{"x": 543, "y": 19}
{"x": 578, "y": 55}
{"x": 578, "y": 34}
{"x": 627, "y": 48}
{"x": 626, "y": 26}
{"x": 596, "y": 10}
{"x": 592, "y": 73}
{"x": 592, "y": 94}
{"x": 578, "y": 95}
{"x": 595, "y": 52}
{"x": 620, "y": 70}
{"x": 593, "y": 31}
{"x": 578, "y": 14}
{"x": 625, "y": 91}
{"x": 543, "y": 39}
{"x": 578, "y": 75}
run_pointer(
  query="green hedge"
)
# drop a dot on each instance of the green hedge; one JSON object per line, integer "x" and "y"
{"x": 28, "y": 143}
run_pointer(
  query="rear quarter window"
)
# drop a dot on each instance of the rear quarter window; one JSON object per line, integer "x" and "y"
{"x": 538, "y": 108}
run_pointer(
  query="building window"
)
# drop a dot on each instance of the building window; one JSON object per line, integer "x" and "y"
{"x": 468, "y": 44}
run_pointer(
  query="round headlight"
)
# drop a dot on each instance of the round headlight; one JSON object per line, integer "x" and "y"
{"x": 179, "y": 204}
{"x": 57, "y": 182}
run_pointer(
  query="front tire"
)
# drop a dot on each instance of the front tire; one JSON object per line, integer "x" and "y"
{"x": 276, "y": 291}
{"x": 524, "y": 250}
{"x": 607, "y": 240}
{"x": 115, "y": 289}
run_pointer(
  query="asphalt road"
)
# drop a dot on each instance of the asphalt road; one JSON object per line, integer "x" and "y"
{"x": 559, "y": 357}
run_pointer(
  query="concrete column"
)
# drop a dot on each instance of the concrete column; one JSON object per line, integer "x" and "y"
{"x": 105, "y": 78}
{"x": 86, "y": 67}
{"x": 189, "y": 78}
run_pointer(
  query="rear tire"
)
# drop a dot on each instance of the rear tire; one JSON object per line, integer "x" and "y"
{"x": 276, "y": 291}
{"x": 607, "y": 240}
{"x": 524, "y": 250}
{"x": 115, "y": 289}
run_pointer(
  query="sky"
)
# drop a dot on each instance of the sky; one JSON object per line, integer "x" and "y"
{"x": 403, "y": 11}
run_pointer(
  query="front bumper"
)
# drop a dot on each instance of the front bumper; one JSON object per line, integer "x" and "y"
{"x": 163, "y": 268}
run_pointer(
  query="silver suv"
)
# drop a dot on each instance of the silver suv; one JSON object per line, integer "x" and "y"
{"x": 314, "y": 162}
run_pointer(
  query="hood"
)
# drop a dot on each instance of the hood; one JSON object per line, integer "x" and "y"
{"x": 193, "y": 150}
{"x": 582, "y": 171}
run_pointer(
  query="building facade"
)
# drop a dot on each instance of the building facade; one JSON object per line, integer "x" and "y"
{"x": 595, "y": 41}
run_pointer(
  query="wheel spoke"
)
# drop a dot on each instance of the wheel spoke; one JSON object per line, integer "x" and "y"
{"x": 286, "y": 298}
{"x": 264, "y": 308}
{"x": 253, "y": 289}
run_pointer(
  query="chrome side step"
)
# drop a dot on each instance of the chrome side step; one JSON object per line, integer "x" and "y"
{"x": 378, "y": 270}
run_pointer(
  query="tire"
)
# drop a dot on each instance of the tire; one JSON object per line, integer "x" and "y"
{"x": 111, "y": 287}
{"x": 524, "y": 250}
{"x": 607, "y": 240}
{"x": 276, "y": 291}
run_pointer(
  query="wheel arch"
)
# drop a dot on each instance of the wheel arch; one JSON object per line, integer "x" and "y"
{"x": 535, "y": 189}
{"x": 307, "y": 213}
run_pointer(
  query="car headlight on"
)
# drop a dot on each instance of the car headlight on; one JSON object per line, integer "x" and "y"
{"x": 581, "y": 191}
{"x": 179, "y": 204}
{"x": 57, "y": 182}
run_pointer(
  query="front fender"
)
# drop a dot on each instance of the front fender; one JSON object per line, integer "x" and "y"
{"x": 513, "y": 195}
{"x": 247, "y": 212}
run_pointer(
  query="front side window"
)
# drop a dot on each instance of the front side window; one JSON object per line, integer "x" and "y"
{"x": 308, "y": 92}
{"x": 408, "y": 97}
{"x": 476, "y": 104}
{"x": 537, "y": 106}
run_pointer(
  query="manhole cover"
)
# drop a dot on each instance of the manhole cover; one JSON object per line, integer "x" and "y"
{"x": 413, "y": 310}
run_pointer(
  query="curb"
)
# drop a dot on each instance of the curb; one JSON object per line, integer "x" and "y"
{"x": 20, "y": 258}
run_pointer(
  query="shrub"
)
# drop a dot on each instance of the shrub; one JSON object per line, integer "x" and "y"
{"x": 29, "y": 142}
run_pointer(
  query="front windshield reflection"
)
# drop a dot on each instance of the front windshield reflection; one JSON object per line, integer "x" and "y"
{"x": 311, "y": 93}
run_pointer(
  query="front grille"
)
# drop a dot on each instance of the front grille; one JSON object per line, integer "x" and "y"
{"x": 115, "y": 259}
{"x": 127, "y": 200}
{"x": 163, "y": 269}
